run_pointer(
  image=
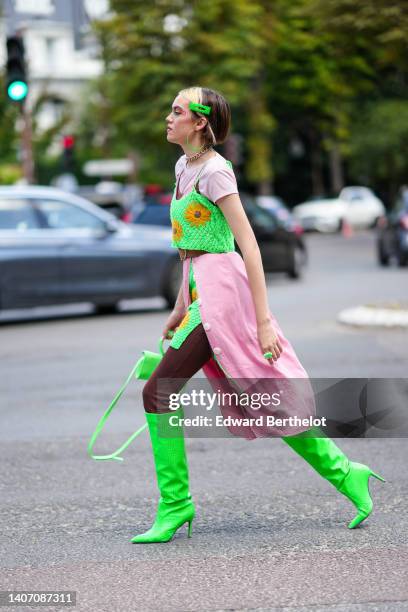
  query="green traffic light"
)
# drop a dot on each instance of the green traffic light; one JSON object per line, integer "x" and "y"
{"x": 17, "y": 90}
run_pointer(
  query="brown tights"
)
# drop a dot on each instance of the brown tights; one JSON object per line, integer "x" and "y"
{"x": 177, "y": 365}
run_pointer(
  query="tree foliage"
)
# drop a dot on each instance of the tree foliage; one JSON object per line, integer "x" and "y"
{"x": 309, "y": 82}
{"x": 301, "y": 68}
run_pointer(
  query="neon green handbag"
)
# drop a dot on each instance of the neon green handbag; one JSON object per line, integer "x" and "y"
{"x": 143, "y": 369}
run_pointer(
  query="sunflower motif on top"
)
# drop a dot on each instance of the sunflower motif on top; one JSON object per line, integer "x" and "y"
{"x": 177, "y": 231}
{"x": 194, "y": 294}
{"x": 184, "y": 321}
{"x": 197, "y": 214}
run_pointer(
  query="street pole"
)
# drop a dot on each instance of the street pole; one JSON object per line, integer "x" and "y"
{"x": 27, "y": 157}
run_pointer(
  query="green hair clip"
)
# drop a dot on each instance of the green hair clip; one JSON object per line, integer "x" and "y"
{"x": 201, "y": 108}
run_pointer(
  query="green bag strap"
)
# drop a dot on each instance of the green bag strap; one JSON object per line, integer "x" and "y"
{"x": 102, "y": 421}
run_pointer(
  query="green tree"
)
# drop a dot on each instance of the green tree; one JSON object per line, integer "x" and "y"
{"x": 379, "y": 148}
{"x": 293, "y": 70}
{"x": 314, "y": 83}
{"x": 153, "y": 50}
{"x": 369, "y": 41}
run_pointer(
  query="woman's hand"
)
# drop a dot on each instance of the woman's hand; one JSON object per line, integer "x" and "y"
{"x": 268, "y": 340}
{"x": 173, "y": 321}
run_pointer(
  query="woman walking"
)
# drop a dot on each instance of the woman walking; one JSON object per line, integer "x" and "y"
{"x": 221, "y": 321}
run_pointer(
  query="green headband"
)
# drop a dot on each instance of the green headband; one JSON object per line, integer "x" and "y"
{"x": 201, "y": 108}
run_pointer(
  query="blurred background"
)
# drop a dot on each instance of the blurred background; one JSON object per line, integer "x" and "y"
{"x": 319, "y": 139}
{"x": 318, "y": 90}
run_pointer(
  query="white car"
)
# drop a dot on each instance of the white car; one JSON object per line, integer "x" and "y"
{"x": 358, "y": 206}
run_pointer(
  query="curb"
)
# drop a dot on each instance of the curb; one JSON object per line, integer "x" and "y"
{"x": 374, "y": 316}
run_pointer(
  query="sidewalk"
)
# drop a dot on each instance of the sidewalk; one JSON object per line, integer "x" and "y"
{"x": 394, "y": 314}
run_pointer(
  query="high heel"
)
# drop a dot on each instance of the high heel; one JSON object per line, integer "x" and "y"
{"x": 356, "y": 488}
{"x": 348, "y": 477}
{"x": 167, "y": 522}
{"x": 378, "y": 476}
{"x": 175, "y": 506}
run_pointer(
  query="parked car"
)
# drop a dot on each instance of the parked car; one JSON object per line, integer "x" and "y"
{"x": 277, "y": 206}
{"x": 279, "y": 243}
{"x": 58, "y": 248}
{"x": 358, "y": 206}
{"x": 392, "y": 233}
{"x": 364, "y": 207}
{"x": 140, "y": 213}
{"x": 280, "y": 247}
{"x": 114, "y": 197}
{"x": 153, "y": 214}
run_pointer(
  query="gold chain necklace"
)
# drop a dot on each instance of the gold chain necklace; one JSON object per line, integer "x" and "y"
{"x": 200, "y": 153}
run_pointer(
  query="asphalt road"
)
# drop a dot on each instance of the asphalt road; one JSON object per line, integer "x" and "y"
{"x": 269, "y": 533}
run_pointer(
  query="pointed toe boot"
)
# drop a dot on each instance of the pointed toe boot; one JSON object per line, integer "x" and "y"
{"x": 175, "y": 506}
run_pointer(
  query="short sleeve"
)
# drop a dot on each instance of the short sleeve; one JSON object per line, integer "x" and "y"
{"x": 220, "y": 183}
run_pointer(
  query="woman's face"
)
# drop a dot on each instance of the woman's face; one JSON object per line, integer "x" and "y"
{"x": 180, "y": 123}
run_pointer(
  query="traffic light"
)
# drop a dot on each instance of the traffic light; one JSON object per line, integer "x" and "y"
{"x": 68, "y": 144}
{"x": 16, "y": 75}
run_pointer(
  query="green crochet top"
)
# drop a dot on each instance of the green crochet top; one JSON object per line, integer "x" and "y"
{"x": 198, "y": 223}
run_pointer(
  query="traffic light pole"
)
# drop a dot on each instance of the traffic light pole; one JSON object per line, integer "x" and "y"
{"x": 27, "y": 157}
{"x": 17, "y": 90}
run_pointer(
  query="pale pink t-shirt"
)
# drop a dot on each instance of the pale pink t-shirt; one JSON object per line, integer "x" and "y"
{"x": 217, "y": 179}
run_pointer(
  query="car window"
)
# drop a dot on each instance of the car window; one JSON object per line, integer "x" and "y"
{"x": 263, "y": 218}
{"x": 17, "y": 215}
{"x": 356, "y": 193}
{"x": 259, "y": 216}
{"x": 64, "y": 215}
{"x": 154, "y": 215}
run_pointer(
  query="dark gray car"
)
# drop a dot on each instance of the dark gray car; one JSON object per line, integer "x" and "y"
{"x": 392, "y": 233}
{"x": 57, "y": 248}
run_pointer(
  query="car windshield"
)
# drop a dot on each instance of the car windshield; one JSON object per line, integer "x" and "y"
{"x": 356, "y": 193}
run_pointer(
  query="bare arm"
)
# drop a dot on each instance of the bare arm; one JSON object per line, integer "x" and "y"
{"x": 176, "y": 315}
{"x": 231, "y": 207}
{"x": 234, "y": 212}
{"x": 179, "y": 306}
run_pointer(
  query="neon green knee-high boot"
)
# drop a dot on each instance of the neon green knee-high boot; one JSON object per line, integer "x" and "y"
{"x": 348, "y": 477}
{"x": 175, "y": 505}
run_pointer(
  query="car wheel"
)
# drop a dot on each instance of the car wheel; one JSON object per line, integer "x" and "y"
{"x": 383, "y": 257}
{"x": 297, "y": 260}
{"x": 171, "y": 282}
{"x": 340, "y": 225}
{"x": 103, "y": 309}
